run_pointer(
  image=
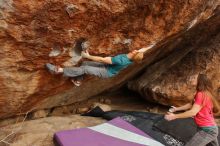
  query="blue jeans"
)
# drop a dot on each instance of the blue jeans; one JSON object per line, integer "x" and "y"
{"x": 202, "y": 138}
{"x": 89, "y": 68}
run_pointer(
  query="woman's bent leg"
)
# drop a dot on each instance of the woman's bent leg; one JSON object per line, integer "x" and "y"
{"x": 202, "y": 138}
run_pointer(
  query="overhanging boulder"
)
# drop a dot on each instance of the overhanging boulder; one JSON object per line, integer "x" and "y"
{"x": 29, "y": 29}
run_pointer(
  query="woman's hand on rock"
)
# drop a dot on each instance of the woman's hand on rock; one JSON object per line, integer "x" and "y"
{"x": 85, "y": 54}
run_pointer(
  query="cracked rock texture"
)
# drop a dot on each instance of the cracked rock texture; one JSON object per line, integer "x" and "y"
{"x": 173, "y": 86}
{"x": 29, "y": 29}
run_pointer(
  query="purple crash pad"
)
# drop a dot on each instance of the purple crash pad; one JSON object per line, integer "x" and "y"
{"x": 116, "y": 132}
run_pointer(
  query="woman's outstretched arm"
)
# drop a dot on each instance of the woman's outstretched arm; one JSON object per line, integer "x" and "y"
{"x": 106, "y": 60}
{"x": 181, "y": 108}
{"x": 190, "y": 113}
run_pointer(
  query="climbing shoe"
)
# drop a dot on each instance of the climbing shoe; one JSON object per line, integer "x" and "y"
{"x": 52, "y": 68}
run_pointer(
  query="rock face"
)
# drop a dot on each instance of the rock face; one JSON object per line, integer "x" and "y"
{"x": 29, "y": 29}
{"x": 173, "y": 86}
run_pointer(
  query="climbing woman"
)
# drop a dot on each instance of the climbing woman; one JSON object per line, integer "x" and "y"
{"x": 103, "y": 67}
{"x": 202, "y": 110}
